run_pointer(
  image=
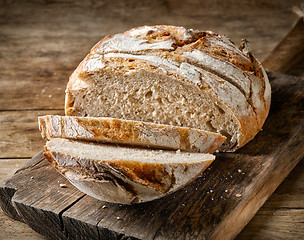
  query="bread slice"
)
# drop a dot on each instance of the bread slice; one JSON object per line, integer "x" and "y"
{"x": 175, "y": 76}
{"x": 129, "y": 132}
{"x": 121, "y": 174}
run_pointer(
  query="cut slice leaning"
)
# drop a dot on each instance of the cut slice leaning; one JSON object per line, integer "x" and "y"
{"x": 134, "y": 133}
{"x": 121, "y": 174}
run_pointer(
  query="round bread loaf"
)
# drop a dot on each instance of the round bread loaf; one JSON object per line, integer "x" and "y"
{"x": 175, "y": 76}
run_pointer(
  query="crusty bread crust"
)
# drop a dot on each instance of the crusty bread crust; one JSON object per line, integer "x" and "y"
{"x": 125, "y": 181}
{"x": 129, "y": 132}
{"x": 211, "y": 62}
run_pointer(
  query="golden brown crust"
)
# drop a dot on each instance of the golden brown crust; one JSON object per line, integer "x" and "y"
{"x": 153, "y": 175}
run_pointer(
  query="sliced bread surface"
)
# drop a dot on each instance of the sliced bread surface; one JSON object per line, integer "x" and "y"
{"x": 130, "y": 132}
{"x": 174, "y": 76}
{"x": 122, "y": 174}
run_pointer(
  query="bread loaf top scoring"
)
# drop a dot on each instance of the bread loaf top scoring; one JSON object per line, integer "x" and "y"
{"x": 226, "y": 77}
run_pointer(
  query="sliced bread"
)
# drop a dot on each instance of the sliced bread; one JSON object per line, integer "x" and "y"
{"x": 121, "y": 174}
{"x": 175, "y": 76}
{"x": 129, "y": 132}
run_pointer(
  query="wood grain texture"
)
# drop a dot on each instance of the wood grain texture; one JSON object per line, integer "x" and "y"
{"x": 216, "y": 206}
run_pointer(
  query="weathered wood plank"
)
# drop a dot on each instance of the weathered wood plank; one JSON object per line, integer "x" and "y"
{"x": 8, "y": 190}
{"x": 34, "y": 93}
{"x": 19, "y": 130}
{"x": 39, "y": 194}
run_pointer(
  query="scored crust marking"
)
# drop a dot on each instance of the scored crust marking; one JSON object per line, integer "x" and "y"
{"x": 223, "y": 48}
{"x": 180, "y": 35}
{"x": 94, "y": 63}
{"x": 227, "y": 44}
{"x": 42, "y": 127}
{"x": 267, "y": 91}
{"x": 56, "y": 126}
{"x": 69, "y": 127}
{"x": 143, "y": 31}
{"x": 76, "y": 129}
{"x": 215, "y": 65}
{"x": 163, "y": 64}
{"x": 229, "y": 72}
{"x": 190, "y": 72}
{"x": 166, "y": 65}
{"x": 130, "y": 44}
{"x": 185, "y": 142}
{"x": 223, "y": 89}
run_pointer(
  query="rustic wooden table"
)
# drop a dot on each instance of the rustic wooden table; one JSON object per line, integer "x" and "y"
{"x": 41, "y": 42}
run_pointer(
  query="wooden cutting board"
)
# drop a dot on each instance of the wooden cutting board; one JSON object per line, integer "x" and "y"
{"x": 216, "y": 206}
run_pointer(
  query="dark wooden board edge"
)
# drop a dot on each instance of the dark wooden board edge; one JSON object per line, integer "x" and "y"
{"x": 40, "y": 197}
{"x": 52, "y": 228}
{"x": 6, "y": 195}
{"x": 77, "y": 229}
{"x": 7, "y": 190}
{"x": 14, "y": 206}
